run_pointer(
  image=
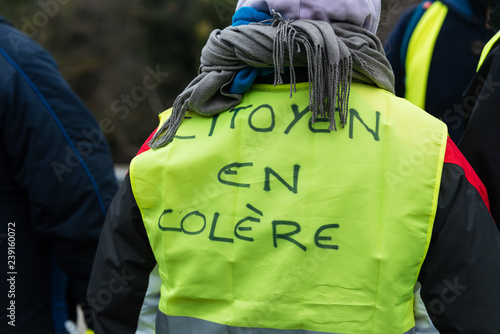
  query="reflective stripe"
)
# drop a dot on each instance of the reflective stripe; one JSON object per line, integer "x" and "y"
{"x": 423, "y": 322}
{"x": 185, "y": 325}
{"x": 147, "y": 316}
{"x": 487, "y": 49}
{"x": 420, "y": 50}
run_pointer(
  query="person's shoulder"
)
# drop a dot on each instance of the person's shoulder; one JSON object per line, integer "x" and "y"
{"x": 465, "y": 10}
{"x": 494, "y": 54}
{"x": 489, "y": 68}
{"x": 20, "y": 49}
{"x": 454, "y": 157}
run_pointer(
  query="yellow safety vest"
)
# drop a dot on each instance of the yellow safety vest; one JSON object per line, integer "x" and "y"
{"x": 420, "y": 50}
{"x": 260, "y": 219}
{"x": 487, "y": 49}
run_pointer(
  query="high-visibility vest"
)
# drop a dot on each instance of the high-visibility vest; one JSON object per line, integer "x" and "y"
{"x": 487, "y": 49}
{"x": 420, "y": 50}
{"x": 259, "y": 218}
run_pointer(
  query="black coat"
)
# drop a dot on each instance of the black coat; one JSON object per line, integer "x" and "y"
{"x": 480, "y": 141}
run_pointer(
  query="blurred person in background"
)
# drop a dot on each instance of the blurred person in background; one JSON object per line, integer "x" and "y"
{"x": 57, "y": 183}
{"x": 482, "y": 97}
{"x": 434, "y": 49}
{"x": 288, "y": 190}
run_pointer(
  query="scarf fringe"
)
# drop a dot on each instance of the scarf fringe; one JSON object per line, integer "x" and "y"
{"x": 329, "y": 84}
{"x": 166, "y": 133}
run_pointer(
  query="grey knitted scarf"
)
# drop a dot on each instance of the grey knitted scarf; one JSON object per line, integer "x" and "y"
{"x": 334, "y": 54}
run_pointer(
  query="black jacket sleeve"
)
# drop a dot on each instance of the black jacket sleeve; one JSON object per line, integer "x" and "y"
{"x": 459, "y": 277}
{"x": 123, "y": 264}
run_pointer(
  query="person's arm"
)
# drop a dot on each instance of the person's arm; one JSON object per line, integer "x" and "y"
{"x": 459, "y": 277}
{"x": 481, "y": 136}
{"x": 122, "y": 267}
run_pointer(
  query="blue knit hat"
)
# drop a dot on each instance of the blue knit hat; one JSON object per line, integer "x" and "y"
{"x": 363, "y": 13}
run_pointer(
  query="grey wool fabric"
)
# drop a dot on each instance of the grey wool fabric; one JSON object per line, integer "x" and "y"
{"x": 333, "y": 53}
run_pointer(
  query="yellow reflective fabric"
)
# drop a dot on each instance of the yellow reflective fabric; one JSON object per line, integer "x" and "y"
{"x": 420, "y": 50}
{"x": 258, "y": 218}
{"x": 487, "y": 49}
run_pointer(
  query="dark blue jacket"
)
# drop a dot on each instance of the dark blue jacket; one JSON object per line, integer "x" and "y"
{"x": 454, "y": 61}
{"x": 56, "y": 183}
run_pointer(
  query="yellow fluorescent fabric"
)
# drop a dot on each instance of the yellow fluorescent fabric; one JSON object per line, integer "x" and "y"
{"x": 259, "y": 218}
{"x": 420, "y": 50}
{"x": 487, "y": 49}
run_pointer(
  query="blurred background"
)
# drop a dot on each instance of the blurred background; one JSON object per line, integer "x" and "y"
{"x": 128, "y": 60}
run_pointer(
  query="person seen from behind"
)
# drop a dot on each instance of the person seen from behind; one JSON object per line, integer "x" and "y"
{"x": 57, "y": 183}
{"x": 434, "y": 49}
{"x": 288, "y": 190}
